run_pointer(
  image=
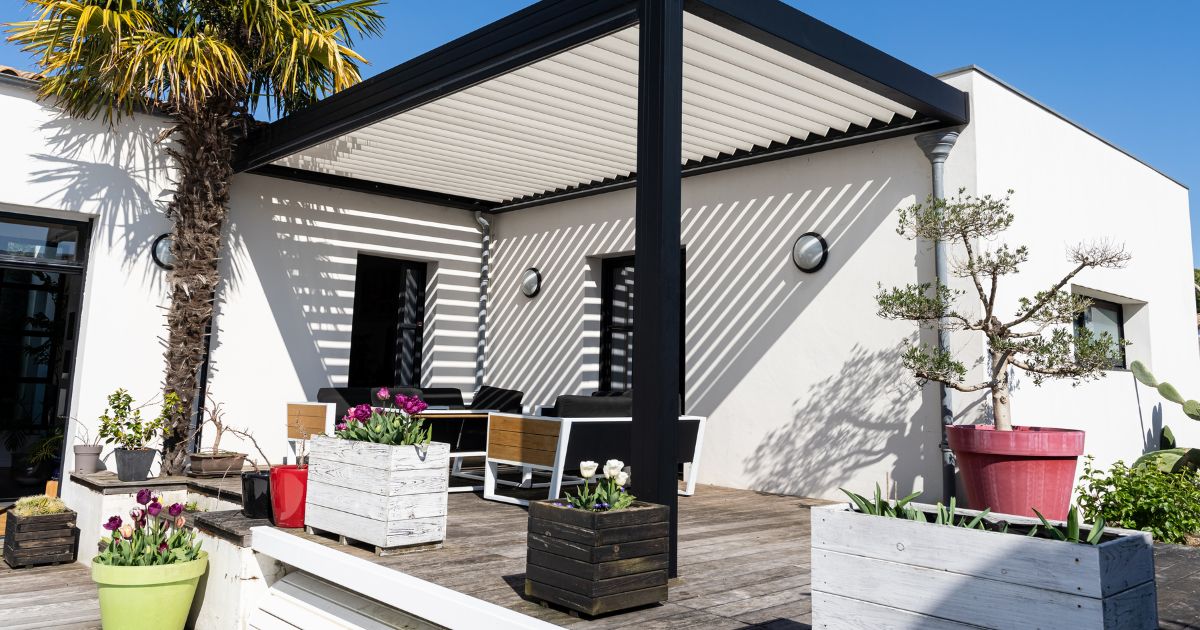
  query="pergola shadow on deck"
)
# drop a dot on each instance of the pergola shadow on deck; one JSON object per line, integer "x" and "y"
{"x": 743, "y": 557}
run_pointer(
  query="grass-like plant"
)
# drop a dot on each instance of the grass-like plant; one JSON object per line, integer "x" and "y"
{"x": 1037, "y": 338}
{"x": 38, "y": 505}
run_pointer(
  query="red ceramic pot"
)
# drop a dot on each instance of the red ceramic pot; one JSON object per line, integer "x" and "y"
{"x": 1014, "y": 472}
{"x": 289, "y": 489}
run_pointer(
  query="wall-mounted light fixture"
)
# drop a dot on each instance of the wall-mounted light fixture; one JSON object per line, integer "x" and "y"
{"x": 809, "y": 252}
{"x": 531, "y": 282}
{"x": 160, "y": 251}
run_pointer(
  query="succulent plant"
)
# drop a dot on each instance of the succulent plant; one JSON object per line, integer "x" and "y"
{"x": 1190, "y": 407}
{"x": 39, "y": 505}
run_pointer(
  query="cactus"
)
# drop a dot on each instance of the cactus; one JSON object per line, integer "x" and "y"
{"x": 1191, "y": 408}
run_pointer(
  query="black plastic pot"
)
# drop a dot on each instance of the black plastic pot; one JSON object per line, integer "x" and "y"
{"x": 256, "y": 494}
{"x": 134, "y": 464}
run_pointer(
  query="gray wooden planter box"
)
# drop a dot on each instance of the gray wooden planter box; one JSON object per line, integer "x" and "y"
{"x": 382, "y": 495}
{"x": 870, "y": 571}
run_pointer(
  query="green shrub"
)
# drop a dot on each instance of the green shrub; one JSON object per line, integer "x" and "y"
{"x": 38, "y": 505}
{"x": 1165, "y": 504}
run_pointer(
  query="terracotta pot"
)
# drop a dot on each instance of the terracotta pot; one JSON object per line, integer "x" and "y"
{"x": 1014, "y": 472}
{"x": 289, "y": 490}
{"x": 219, "y": 465}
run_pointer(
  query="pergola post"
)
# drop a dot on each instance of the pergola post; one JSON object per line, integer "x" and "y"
{"x": 658, "y": 293}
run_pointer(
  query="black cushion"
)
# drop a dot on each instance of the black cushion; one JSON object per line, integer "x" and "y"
{"x": 343, "y": 398}
{"x": 498, "y": 399}
{"x": 569, "y": 406}
{"x": 448, "y": 397}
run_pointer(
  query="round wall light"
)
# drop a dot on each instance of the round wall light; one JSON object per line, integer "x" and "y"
{"x": 160, "y": 251}
{"x": 809, "y": 252}
{"x": 531, "y": 282}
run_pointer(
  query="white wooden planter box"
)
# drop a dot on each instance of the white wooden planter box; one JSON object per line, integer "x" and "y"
{"x": 875, "y": 572}
{"x": 387, "y": 496}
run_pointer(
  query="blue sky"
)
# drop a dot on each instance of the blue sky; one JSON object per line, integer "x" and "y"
{"x": 1129, "y": 71}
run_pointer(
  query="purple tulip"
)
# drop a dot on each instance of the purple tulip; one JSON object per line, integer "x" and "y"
{"x": 144, "y": 496}
{"x": 154, "y": 508}
{"x": 113, "y": 524}
{"x": 362, "y": 413}
{"x": 162, "y": 546}
{"x": 383, "y": 393}
{"x": 341, "y": 426}
{"x": 136, "y": 514}
{"x": 175, "y": 510}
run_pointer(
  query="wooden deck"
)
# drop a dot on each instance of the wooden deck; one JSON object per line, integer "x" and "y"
{"x": 743, "y": 562}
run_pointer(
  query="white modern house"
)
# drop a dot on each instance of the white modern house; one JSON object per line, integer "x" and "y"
{"x": 530, "y": 164}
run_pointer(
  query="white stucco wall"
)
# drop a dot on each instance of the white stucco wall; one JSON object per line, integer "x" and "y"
{"x": 795, "y": 371}
{"x": 1071, "y": 187}
{"x": 284, "y": 320}
{"x": 86, "y": 170}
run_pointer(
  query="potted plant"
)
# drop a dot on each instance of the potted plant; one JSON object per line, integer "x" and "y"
{"x": 379, "y": 479}
{"x": 289, "y": 490}
{"x": 599, "y": 550}
{"x": 87, "y": 453}
{"x": 148, "y": 570}
{"x": 40, "y": 530}
{"x": 894, "y": 563}
{"x": 1009, "y": 469}
{"x": 122, "y": 424}
{"x": 214, "y": 462}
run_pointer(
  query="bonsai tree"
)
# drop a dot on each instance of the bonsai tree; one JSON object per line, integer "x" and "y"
{"x": 208, "y": 64}
{"x": 1037, "y": 338}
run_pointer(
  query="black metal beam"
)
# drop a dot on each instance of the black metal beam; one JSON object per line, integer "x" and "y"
{"x": 527, "y": 36}
{"x": 850, "y": 137}
{"x": 656, "y": 253}
{"x": 374, "y": 188}
{"x": 812, "y": 41}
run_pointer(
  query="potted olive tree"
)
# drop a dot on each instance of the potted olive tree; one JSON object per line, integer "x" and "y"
{"x": 379, "y": 479}
{"x": 122, "y": 424}
{"x": 1007, "y": 468}
{"x": 148, "y": 570}
{"x": 599, "y": 550}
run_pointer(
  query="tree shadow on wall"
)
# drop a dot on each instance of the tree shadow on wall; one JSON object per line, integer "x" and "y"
{"x": 864, "y": 414}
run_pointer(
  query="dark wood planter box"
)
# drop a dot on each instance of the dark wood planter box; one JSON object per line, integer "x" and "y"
{"x": 47, "y": 539}
{"x": 597, "y": 562}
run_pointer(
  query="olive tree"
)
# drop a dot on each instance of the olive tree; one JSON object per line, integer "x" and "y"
{"x": 1037, "y": 338}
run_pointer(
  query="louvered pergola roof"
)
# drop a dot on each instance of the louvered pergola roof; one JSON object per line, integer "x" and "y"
{"x": 543, "y": 105}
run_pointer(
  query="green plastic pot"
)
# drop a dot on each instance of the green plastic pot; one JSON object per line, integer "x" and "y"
{"x": 133, "y": 598}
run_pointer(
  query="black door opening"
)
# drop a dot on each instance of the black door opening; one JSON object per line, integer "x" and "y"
{"x": 41, "y": 285}
{"x": 388, "y": 326}
{"x": 616, "y": 326}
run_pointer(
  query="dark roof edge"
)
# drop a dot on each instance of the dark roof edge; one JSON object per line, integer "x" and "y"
{"x": 8, "y": 79}
{"x": 1053, "y": 112}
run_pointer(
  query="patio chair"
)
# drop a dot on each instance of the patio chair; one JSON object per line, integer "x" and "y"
{"x": 556, "y": 445}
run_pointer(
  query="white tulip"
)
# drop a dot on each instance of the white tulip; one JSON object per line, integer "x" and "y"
{"x": 587, "y": 469}
{"x": 622, "y": 478}
{"x": 613, "y": 467}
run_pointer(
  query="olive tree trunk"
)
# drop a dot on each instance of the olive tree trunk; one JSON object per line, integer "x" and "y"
{"x": 204, "y": 158}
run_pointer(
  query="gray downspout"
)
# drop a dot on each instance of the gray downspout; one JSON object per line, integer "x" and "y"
{"x": 937, "y": 146}
{"x": 485, "y": 255}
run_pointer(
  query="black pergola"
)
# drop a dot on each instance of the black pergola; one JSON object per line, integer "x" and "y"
{"x": 719, "y": 84}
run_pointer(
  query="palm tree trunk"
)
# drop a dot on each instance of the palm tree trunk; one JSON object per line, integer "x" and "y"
{"x": 203, "y": 156}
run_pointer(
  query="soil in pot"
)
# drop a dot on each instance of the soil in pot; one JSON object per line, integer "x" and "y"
{"x": 134, "y": 464}
{"x": 220, "y": 464}
{"x": 87, "y": 459}
{"x": 132, "y": 598}
{"x": 1014, "y": 472}
{"x": 289, "y": 490}
{"x": 256, "y": 494}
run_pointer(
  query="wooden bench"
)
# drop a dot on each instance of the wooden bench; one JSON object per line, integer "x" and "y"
{"x": 557, "y": 444}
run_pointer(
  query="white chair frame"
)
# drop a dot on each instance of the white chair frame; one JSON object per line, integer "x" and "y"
{"x": 557, "y": 477}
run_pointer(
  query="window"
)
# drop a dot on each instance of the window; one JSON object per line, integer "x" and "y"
{"x": 387, "y": 330}
{"x": 1106, "y": 317}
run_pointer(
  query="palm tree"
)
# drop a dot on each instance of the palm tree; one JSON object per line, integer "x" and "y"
{"x": 208, "y": 64}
